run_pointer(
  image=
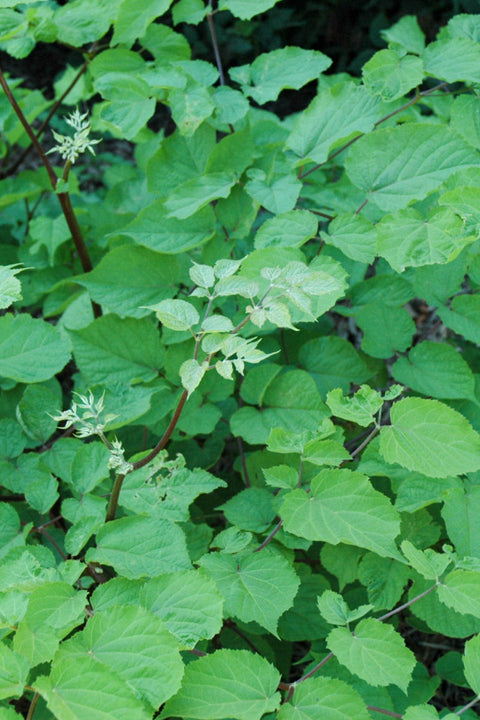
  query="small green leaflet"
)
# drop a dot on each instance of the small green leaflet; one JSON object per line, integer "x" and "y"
{"x": 430, "y": 438}
{"x": 176, "y": 314}
{"x": 270, "y": 73}
{"x": 354, "y": 235}
{"x": 359, "y": 408}
{"x": 342, "y": 506}
{"x": 427, "y": 562}
{"x": 244, "y": 9}
{"x": 323, "y": 698}
{"x": 257, "y": 587}
{"x": 394, "y": 166}
{"x": 335, "y": 610}
{"x": 374, "y": 652}
{"x": 228, "y": 683}
{"x": 10, "y": 288}
{"x": 405, "y": 35}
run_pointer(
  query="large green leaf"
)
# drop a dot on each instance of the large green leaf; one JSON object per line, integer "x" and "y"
{"x": 187, "y": 602}
{"x": 114, "y": 350}
{"x": 290, "y": 229}
{"x": 333, "y": 363}
{"x": 30, "y": 350}
{"x": 81, "y": 22}
{"x": 259, "y": 587}
{"x": 342, "y": 506}
{"x": 431, "y": 438}
{"x": 228, "y": 683}
{"x": 154, "y": 229}
{"x": 130, "y": 277}
{"x": 386, "y": 329}
{"x": 374, "y": 652}
{"x": 436, "y": 369}
{"x": 133, "y": 644}
{"x": 453, "y": 59}
{"x": 196, "y": 193}
{"x": 354, "y": 235}
{"x": 463, "y": 316}
{"x": 270, "y": 73}
{"x": 83, "y": 687}
{"x": 394, "y": 166}
{"x": 334, "y": 114}
{"x": 140, "y": 546}
{"x": 409, "y": 239}
{"x": 324, "y": 698}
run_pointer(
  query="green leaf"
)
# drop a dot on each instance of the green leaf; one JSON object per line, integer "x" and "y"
{"x": 460, "y": 513}
{"x": 84, "y": 21}
{"x": 270, "y": 73}
{"x": 374, "y": 652}
{"x": 466, "y": 118}
{"x": 424, "y": 712}
{"x": 290, "y": 229}
{"x": 453, "y": 59}
{"x": 130, "y": 277}
{"x": 196, "y": 193}
{"x": 34, "y": 412}
{"x": 437, "y": 616}
{"x": 132, "y": 21}
{"x": 429, "y": 437}
{"x": 251, "y": 509}
{"x": 140, "y": 546}
{"x": 290, "y": 402}
{"x": 31, "y": 350}
{"x": 187, "y": 602}
{"x": 244, "y": 9}
{"x": 409, "y": 239}
{"x": 436, "y": 369}
{"x": 333, "y": 362}
{"x": 360, "y": 408}
{"x": 342, "y": 506}
{"x": 127, "y": 117}
{"x": 54, "y": 609}
{"x": 228, "y": 683}
{"x": 79, "y": 688}
{"x": 460, "y": 590}
{"x": 50, "y": 233}
{"x": 176, "y": 314}
{"x": 324, "y": 697}
{"x": 335, "y": 114}
{"x": 405, "y": 35}
{"x": 277, "y": 193}
{"x": 325, "y": 452}
{"x": 394, "y": 166}
{"x": 428, "y": 563}
{"x": 13, "y": 672}
{"x": 354, "y": 235}
{"x": 384, "y": 579}
{"x": 336, "y": 611}
{"x": 386, "y": 329}
{"x": 191, "y": 373}
{"x": 190, "y": 107}
{"x": 258, "y": 587}
{"x": 463, "y": 316}
{"x": 134, "y": 645}
{"x": 114, "y": 350}
{"x": 471, "y": 662}
{"x": 170, "y": 235}
{"x": 391, "y": 75}
{"x": 10, "y": 288}
{"x": 189, "y": 11}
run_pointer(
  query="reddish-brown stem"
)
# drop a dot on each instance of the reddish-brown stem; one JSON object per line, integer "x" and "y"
{"x": 33, "y": 704}
{"x": 63, "y": 197}
{"x": 390, "y": 713}
{"x": 395, "y": 611}
{"x": 270, "y": 537}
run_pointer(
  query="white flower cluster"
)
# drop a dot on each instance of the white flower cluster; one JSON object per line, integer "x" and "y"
{"x": 71, "y": 147}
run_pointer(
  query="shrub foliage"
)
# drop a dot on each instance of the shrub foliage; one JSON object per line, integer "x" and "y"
{"x": 239, "y": 434}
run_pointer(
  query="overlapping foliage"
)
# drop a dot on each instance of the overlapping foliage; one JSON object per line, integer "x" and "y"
{"x": 239, "y": 433}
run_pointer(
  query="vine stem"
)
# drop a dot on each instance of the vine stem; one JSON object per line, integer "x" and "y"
{"x": 216, "y": 50}
{"x": 395, "y": 611}
{"x": 468, "y": 706}
{"x": 270, "y": 537}
{"x": 390, "y": 713}
{"x": 33, "y": 704}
